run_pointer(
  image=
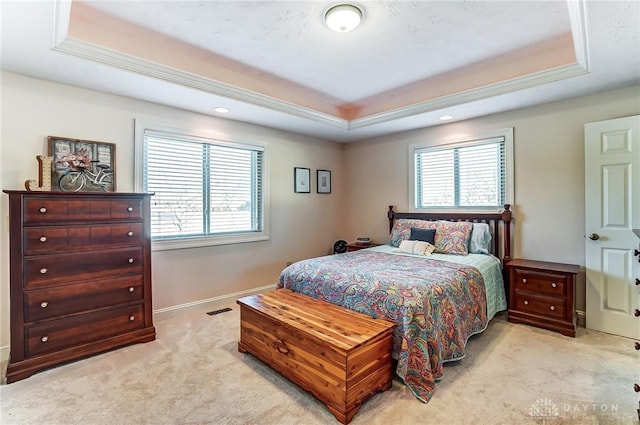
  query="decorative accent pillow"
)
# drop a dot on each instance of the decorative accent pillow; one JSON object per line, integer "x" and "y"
{"x": 452, "y": 237}
{"x": 416, "y": 247}
{"x": 427, "y": 235}
{"x": 480, "y": 240}
{"x": 402, "y": 229}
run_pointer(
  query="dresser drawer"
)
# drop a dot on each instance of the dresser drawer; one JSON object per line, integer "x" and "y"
{"x": 77, "y": 330}
{"x": 64, "y": 300}
{"x": 41, "y": 240}
{"x": 68, "y": 209}
{"x": 48, "y": 270}
{"x": 546, "y": 306}
{"x": 545, "y": 282}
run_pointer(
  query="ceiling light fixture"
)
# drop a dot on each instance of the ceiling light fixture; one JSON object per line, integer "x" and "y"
{"x": 221, "y": 110}
{"x": 343, "y": 17}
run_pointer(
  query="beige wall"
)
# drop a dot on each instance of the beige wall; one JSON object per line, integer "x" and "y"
{"x": 366, "y": 177}
{"x": 302, "y": 225}
{"x": 549, "y": 173}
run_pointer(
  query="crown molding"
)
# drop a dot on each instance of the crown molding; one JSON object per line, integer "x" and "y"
{"x": 503, "y": 87}
{"x": 578, "y": 21}
{"x": 143, "y": 67}
{"x": 65, "y": 44}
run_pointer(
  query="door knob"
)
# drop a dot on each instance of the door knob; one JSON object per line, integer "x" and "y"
{"x": 637, "y": 282}
{"x": 594, "y": 236}
{"x": 636, "y": 313}
{"x": 636, "y": 252}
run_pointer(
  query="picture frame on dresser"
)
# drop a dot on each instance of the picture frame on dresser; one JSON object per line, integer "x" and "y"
{"x": 86, "y": 156}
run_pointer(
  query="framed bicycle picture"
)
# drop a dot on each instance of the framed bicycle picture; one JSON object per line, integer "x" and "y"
{"x": 82, "y": 165}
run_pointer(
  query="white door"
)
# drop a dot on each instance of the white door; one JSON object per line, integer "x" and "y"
{"x": 612, "y": 178}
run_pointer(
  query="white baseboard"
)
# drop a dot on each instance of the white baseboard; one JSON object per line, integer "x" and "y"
{"x": 4, "y": 354}
{"x": 206, "y": 304}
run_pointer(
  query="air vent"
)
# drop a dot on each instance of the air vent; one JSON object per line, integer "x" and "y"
{"x": 222, "y": 310}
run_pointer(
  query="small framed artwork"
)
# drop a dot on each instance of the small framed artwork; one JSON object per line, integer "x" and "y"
{"x": 82, "y": 165}
{"x": 324, "y": 181}
{"x": 302, "y": 180}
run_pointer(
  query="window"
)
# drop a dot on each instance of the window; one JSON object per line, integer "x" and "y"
{"x": 206, "y": 191}
{"x": 469, "y": 174}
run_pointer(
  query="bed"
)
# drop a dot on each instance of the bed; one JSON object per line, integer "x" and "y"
{"x": 437, "y": 300}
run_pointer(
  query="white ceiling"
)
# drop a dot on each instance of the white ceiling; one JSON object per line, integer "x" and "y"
{"x": 274, "y": 63}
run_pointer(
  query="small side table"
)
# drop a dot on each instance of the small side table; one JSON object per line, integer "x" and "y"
{"x": 355, "y": 246}
{"x": 542, "y": 294}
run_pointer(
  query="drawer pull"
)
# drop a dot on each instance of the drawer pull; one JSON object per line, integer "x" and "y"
{"x": 524, "y": 280}
{"x": 526, "y": 302}
{"x": 43, "y": 210}
{"x": 130, "y": 260}
{"x": 132, "y": 318}
{"x": 552, "y": 308}
{"x": 554, "y": 285}
{"x": 129, "y": 234}
{"x": 131, "y": 289}
{"x": 44, "y": 339}
{"x": 282, "y": 349}
{"x": 43, "y": 270}
{"x": 129, "y": 209}
{"x": 44, "y": 304}
{"x": 637, "y": 345}
{"x": 43, "y": 238}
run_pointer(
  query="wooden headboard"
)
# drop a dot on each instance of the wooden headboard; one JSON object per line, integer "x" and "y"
{"x": 499, "y": 224}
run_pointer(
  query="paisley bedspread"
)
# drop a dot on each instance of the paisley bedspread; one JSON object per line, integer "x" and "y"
{"x": 436, "y": 305}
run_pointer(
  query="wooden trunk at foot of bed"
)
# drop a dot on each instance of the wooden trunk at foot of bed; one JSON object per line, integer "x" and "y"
{"x": 340, "y": 356}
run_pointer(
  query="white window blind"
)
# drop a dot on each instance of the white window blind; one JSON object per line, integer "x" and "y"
{"x": 203, "y": 188}
{"x": 467, "y": 175}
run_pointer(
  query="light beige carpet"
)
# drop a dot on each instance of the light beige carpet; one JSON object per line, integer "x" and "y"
{"x": 193, "y": 374}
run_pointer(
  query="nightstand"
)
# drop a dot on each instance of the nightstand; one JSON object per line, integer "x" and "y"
{"x": 355, "y": 246}
{"x": 542, "y": 294}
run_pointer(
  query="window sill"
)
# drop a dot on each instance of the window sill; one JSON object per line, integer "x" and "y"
{"x": 198, "y": 242}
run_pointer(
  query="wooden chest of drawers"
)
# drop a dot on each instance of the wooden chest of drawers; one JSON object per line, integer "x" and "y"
{"x": 340, "y": 356}
{"x": 543, "y": 294}
{"x": 80, "y": 279}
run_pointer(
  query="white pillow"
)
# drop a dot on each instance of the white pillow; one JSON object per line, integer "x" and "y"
{"x": 416, "y": 247}
{"x": 480, "y": 239}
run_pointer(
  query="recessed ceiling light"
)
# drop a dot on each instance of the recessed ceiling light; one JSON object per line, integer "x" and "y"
{"x": 221, "y": 110}
{"x": 343, "y": 17}
{"x": 446, "y": 117}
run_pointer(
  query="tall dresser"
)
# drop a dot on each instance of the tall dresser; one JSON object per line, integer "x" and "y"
{"x": 80, "y": 276}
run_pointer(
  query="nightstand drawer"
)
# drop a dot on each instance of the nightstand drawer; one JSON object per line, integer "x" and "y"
{"x": 549, "y": 307}
{"x": 548, "y": 283}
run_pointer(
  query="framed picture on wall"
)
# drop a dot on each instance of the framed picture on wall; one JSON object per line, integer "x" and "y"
{"x": 324, "y": 181}
{"x": 302, "y": 180}
{"x": 82, "y": 165}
